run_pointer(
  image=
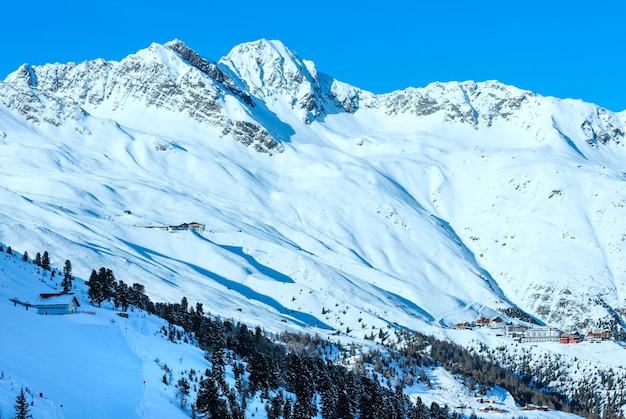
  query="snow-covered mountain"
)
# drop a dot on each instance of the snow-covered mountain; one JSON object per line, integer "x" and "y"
{"x": 324, "y": 205}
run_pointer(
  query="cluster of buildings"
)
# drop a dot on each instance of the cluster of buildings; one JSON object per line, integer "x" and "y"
{"x": 521, "y": 333}
{"x": 193, "y": 226}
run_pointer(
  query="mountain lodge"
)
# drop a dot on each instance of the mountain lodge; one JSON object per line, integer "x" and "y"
{"x": 57, "y": 303}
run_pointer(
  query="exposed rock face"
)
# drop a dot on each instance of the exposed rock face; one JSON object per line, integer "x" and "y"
{"x": 603, "y": 128}
{"x": 20, "y": 93}
{"x": 208, "y": 68}
{"x": 172, "y": 78}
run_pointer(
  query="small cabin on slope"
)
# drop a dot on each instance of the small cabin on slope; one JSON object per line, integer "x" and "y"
{"x": 57, "y": 303}
{"x": 193, "y": 226}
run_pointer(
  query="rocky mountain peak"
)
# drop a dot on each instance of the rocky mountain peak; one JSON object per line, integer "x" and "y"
{"x": 24, "y": 76}
{"x": 466, "y": 102}
{"x": 168, "y": 78}
{"x": 267, "y": 63}
{"x": 271, "y": 71}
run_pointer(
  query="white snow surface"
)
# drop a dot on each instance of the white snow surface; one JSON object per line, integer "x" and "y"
{"x": 422, "y": 207}
{"x": 96, "y": 365}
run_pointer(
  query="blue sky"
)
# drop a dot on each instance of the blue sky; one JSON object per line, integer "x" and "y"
{"x": 574, "y": 49}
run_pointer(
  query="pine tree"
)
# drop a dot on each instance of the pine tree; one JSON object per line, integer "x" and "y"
{"x": 436, "y": 412}
{"x": 138, "y": 298}
{"x": 274, "y": 406}
{"x": 303, "y": 385}
{"x": 38, "y": 259}
{"x": 345, "y": 400}
{"x": 107, "y": 279}
{"x": 9, "y": 250}
{"x": 288, "y": 409}
{"x": 95, "y": 292}
{"x": 182, "y": 391}
{"x": 121, "y": 295}
{"x": 218, "y": 372}
{"x": 22, "y": 410}
{"x": 184, "y": 304}
{"x": 329, "y": 400}
{"x": 103, "y": 287}
{"x": 210, "y": 401}
{"x": 25, "y": 256}
{"x": 236, "y": 411}
{"x": 45, "y": 261}
{"x": 66, "y": 283}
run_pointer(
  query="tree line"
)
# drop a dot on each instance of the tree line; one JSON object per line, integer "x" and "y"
{"x": 43, "y": 261}
{"x": 294, "y": 384}
{"x": 373, "y": 388}
{"x": 296, "y": 374}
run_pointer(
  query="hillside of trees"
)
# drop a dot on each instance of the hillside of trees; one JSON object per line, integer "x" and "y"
{"x": 301, "y": 376}
{"x": 317, "y": 372}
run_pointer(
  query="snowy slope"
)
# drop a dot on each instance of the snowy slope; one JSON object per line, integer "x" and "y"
{"x": 422, "y": 206}
{"x": 85, "y": 365}
{"x": 97, "y": 364}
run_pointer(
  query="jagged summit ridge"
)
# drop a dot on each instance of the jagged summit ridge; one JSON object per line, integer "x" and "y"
{"x": 208, "y": 67}
{"x": 173, "y": 79}
{"x": 176, "y": 78}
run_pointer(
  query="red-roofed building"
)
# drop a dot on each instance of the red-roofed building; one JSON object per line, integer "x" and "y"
{"x": 569, "y": 338}
{"x": 598, "y": 335}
